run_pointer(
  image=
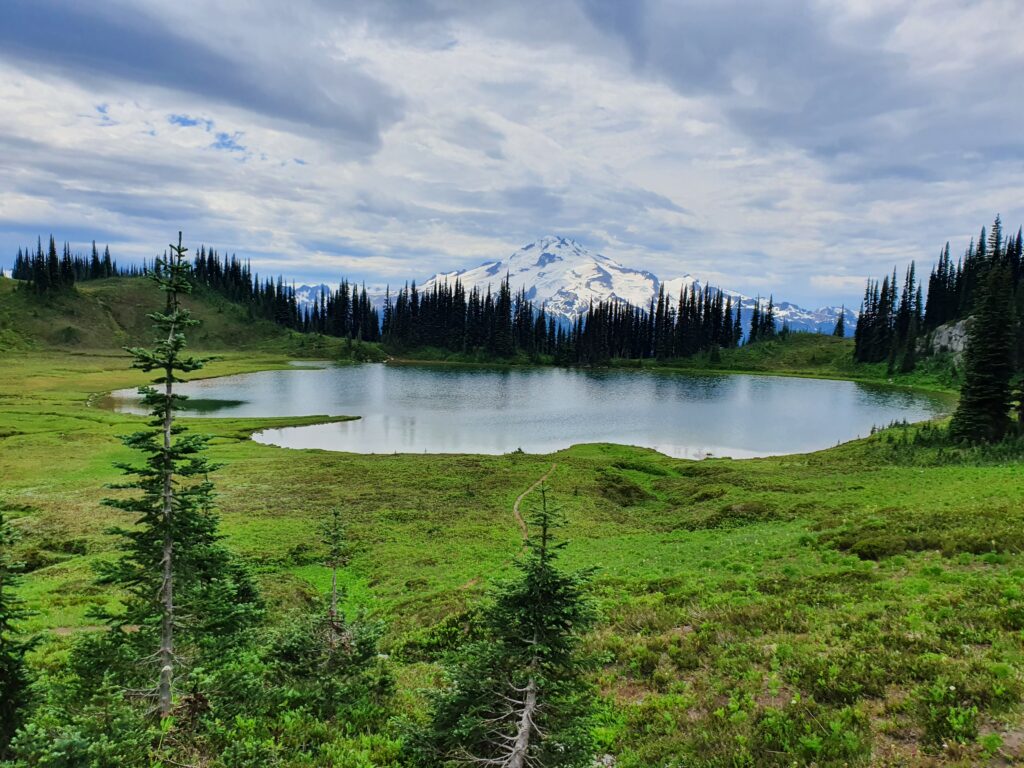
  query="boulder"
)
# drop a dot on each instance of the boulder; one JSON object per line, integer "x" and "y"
{"x": 950, "y": 339}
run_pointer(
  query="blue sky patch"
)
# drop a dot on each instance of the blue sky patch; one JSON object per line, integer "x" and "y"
{"x": 187, "y": 121}
{"x": 228, "y": 142}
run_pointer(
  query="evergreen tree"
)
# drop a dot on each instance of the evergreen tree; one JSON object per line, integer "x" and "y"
{"x": 333, "y": 666}
{"x": 95, "y": 265}
{"x": 52, "y": 267}
{"x": 517, "y": 696}
{"x": 109, "y": 268}
{"x": 14, "y": 679}
{"x": 728, "y": 330}
{"x": 767, "y": 330}
{"x": 172, "y": 563}
{"x": 910, "y": 347}
{"x": 840, "y": 328}
{"x": 334, "y": 539}
{"x": 983, "y": 412}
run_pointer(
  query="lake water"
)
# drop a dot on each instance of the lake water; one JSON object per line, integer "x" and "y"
{"x": 437, "y": 409}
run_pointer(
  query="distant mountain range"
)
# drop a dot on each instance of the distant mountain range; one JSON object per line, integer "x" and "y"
{"x": 566, "y": 277}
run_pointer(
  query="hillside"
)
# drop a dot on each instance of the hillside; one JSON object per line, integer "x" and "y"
{"x": 109, "y": 314}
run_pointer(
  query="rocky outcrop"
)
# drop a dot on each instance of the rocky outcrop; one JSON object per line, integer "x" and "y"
{"x": 950, "y": 339}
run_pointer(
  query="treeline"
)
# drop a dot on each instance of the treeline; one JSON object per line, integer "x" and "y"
{"x": 986, "y": 286}
{"x": 893, "y": 319}
{"x": 446, "y": 317}
{"x": 889, "y": 322}
{"x": 953, "y": 288}
{"x": 499, "y": 324}
{"x": 48, "y": 272}
{"x": 700, "y": 321}
{"x": 503, "y": 324}
{"x": 345, "y": 312}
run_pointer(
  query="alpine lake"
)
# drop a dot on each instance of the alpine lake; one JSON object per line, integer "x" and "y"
{"x": 461, "y": 409}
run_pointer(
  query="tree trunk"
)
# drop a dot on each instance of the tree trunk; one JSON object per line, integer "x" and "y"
{"x": 332, "y": 631}
{"x": 167, "y": 585}
{"x": 521, "y": 749}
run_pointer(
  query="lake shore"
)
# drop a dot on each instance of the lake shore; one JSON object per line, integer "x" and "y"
{"x": 408, "y": 408}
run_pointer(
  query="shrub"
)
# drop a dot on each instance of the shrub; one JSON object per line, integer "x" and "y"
{"x": 945, "y": 714}
{"x": 804, "y": 733}
{"x": 620, "y": 489}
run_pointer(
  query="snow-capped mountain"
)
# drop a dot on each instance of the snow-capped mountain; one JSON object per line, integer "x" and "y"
{"x": 305, "y": 295}
{"x": 798, "y": 318}
{"x": 562, "y": 275}
{"x": 820, "y": 320}
{"x": 565, "y": 277}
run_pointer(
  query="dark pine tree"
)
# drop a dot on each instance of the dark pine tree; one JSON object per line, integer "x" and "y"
{"x": 334, "y": 539}
{"x": 840, "y": 327}
{"x": 172, "y": 563}
{"x": 14, "y": 678}
{"x": 755, "y": 322}
{"x": 983, "y": 412}
{"x": 518, "y": 697}
{"x": 52, "y": 267}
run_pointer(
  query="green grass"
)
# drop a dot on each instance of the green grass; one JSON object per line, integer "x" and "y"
{"x": 861, "y": 605}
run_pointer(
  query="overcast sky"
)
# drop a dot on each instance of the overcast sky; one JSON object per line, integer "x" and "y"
{"x": 788, "y": 146}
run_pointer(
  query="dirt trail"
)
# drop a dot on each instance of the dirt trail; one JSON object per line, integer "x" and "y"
{"x": 515, "y": 507}
{"x": 523, "y": 528}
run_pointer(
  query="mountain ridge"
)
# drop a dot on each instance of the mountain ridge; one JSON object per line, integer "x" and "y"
{"x": 565, "y": 276}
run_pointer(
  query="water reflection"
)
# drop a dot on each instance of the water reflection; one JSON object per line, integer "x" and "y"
{"x": 440, "y": 409}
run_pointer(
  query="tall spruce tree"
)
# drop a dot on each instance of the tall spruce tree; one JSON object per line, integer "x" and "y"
{"x": 14, "y": 679}
{"x": 910, "y": 345}
{"x": 173, "y": 568}
{"x": 518, "y": 697}
{"x": 840, "y": 327}
{"x": 333, "y": 537}
{"x": 983, "y": 412}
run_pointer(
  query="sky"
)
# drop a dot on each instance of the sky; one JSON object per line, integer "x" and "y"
{"x": 792, "y": 146}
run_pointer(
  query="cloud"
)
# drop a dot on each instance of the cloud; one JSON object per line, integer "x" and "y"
{"x": 785, "y": 147}
{"x": 124, "y": 43}
{"x": 866, "y": 90}
{"x": 839, "y": 283}
{"x": 473, "y": 133}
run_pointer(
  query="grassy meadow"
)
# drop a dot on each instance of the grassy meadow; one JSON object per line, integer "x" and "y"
{"x": 860, "y": 605}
